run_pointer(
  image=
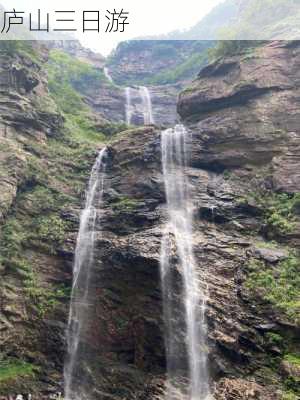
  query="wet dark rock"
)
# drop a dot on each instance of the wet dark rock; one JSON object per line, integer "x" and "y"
{"x": 228, "y": 134}
{"x": 243, "y": 114}
{"x": 270, "y": 255}
{"x": 266, "y": 327}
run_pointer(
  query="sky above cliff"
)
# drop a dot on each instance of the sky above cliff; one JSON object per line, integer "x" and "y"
{"x": 145, "y": 18}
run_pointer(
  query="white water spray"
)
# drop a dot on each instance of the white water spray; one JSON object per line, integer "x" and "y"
{"x": 83, "y": 266}
{"x": 107, "y": 74}
{"x": 147, "y": 105}
{"x": 177, "y": 263}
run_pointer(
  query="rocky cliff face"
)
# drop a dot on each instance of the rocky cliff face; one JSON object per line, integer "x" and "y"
{"x": 243, "y": 113}
{"x": 164, "y": 67}
{"x": 105, "y": 99}
{"x": 144, "y": 61}
{"x": 42, "y": 176}
{"x": 109, "y": 101}
{"x": 244, "y": 117}
{"x": 75, "y": 49}
{"x": 164, "y": 101}
{"x": 22, "y": 116}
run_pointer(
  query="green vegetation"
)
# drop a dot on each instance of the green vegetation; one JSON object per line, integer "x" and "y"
{"x": 9, "y": 47}
{"x": 41, "y": 299}
{"x": 68, "y": 76}
{"x": 17, "y": 235}
{"x": 51, "y": 230}
{"x": 177, "y": 60}
{"x": 11, "y": 370}
{"x": 185, "y": 70}
{"x": 284, "y": 365}
{"x": 266, "y": 12}
{"x": 279, "y": 285}
{"x": 81, "y": 128}
{"x": 292, "y": 383}
{"x": 273, "y": 17}
{"x": 164, "y": 50}
{"x": 289, "y": 396}
{"x": 115, "y": 128}
{"x": 280, "y": 210}
{"x": 54, "y": 177}
{"x": 267, "y": 245}
{"x": 34, "y": 171}
{"x": 50, "y": 177}
{"x": 51, "y": 169}
{"x": 42, "y": 199}
{"x": 12, "y": 237}
{"x": 47, "y": 233}
{"x": 227, "y": 48}
{"x": 289, "y": 380}
{"x": 293, "y": 359}
{"x": 23, "y": 48}
{"x": 16, "y": 375}
{"x": 274, "y": 339}
{"x": 124, "y": 204}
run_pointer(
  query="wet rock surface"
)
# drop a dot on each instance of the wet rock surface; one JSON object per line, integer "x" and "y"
{"x": 38, "y": 178}
{"x": 234, "y": 152}
{"x": 260, "y": 124}
{"x": 242, "y": 154}
{"x": 109, "y": 101}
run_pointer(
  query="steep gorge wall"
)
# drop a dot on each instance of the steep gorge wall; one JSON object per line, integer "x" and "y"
{"x": 43, "y": 172}
{"x": 68, "y": 60}
{"x": 244, "y": 116}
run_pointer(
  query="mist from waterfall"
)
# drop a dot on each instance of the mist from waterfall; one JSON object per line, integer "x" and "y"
{"x": 79, "y": 314}
{"x": 147, "y": 105}
{"x": 183, "y": 296}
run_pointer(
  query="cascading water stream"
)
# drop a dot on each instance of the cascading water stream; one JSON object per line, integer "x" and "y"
{"x": 131, "y": 107}
{"x": 107, "y": 74}
{"x": 147, "y": 105}
{"x": 187, "y": 301}
{"x": 83, "y": 266}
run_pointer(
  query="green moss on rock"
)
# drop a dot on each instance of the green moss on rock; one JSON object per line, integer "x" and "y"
{"x": 293, "y": 359}
{"x": 279, "y": 285}
{"x": 125, "y": 204}
{"x": 15, "y": 373}
{"x": 67, "y": 77}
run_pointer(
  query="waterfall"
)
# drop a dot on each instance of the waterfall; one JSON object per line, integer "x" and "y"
{"x": 147, "y": 105}
{"x": 128, "y": 106}
{"x": 83, "y": 268}
{"x": 107, "y": 74}
{"x": 134, "y": 107}
{"x": 184, "y": 303}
